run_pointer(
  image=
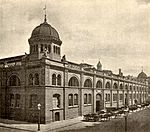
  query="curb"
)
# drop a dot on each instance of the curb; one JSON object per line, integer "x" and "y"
{"x": 46, "y": 130}
{"x": 16, "y": 128}
{"x": 53, "y": 129}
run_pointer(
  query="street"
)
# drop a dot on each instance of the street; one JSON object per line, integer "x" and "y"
{"x": 137, "y": 122}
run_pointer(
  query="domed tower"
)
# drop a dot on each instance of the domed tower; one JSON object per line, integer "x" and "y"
{"x": 45, "y": 41}
{"x": 142, "y": 75}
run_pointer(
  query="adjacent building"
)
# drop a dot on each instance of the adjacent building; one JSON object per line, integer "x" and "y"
{"x": 64, "y": 89}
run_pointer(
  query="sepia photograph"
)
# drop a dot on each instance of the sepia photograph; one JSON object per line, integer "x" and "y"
{"x": 74, "y": 66}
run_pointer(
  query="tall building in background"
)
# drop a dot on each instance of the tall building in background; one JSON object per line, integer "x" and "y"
{"x": 64, "y": 89}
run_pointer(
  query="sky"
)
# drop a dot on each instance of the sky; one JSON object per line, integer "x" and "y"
{"x": 116, "y": 32}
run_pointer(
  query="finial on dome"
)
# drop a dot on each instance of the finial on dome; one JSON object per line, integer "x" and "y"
{"x": 45, "y": 13}
{"x": 142, "y": 68}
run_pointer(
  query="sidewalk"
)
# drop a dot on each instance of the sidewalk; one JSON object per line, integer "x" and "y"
{"x": 54, "y": 126}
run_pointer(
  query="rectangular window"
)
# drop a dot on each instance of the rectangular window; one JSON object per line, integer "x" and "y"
{"x": 114, "y": 97}
{"x": 85, "y": 98}
{"x": 121, "y": 97}
{"x": 49, "y": 48}
{"x": 12, "y": 100}
{"x": 135, "y": 96}
{"x": 36, "y": 48}
{"x": 107, "y": 98}
{"x": 17, "y": 100}
{"x": 0, "y": 99}
{"x": 55, "y": 102}
{"x": 76, "y": 99}
{"x": 130, "y": 96}
{"x": 70, "y": 99}
{"x": 90, "y": 99}
{"x": 33, "y": 101}
{"x": 41, "y": 47}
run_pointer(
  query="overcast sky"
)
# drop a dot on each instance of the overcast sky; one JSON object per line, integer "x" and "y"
{"x": 115, "y": 31}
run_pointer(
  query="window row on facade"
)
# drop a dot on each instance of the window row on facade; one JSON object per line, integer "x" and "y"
{"x": 45, "y": 47}
{"x": 73, "y": 81}
{"x": 120, "y": 96}
{"x": 15, "y": 101}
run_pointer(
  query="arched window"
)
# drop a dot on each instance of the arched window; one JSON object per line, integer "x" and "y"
{"x": 98, "y": 97}
{"x": 99, "y": 84}
{"x": 14, "y": 81}
{"x": 36, "y": 79}
{"x": 85, "y": 98}
{"x": 70, "y": 99}
{"x": 126, "y": 87}
{"x": 115, "y": 86}
{"x": 59, "y": 80}
{"x": 89, "y": 98}
{"x": 108, "y": 85}
{"x": 88, "y": 83}
{"x": 75, "y": 99}
{"x": 30, "y": 79}
{"x": 73, "y": 81}
{"x": 121, "y": 86}
{"x": 54, "y": 79}
{"x": 56, "y": 101}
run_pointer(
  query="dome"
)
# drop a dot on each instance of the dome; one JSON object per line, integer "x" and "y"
{"x": 142, "y": 75}
{"x": 45, "y": 31}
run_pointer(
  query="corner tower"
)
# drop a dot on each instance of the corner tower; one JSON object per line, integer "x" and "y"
{"x": 45, "y": 41}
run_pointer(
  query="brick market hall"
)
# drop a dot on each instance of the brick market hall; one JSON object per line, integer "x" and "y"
{"x": 64, "y": 89}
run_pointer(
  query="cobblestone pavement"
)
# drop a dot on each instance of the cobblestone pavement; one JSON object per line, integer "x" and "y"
{"x": 137, "y": 122}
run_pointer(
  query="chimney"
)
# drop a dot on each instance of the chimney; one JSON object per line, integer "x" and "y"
{"x": 120, "y": 73}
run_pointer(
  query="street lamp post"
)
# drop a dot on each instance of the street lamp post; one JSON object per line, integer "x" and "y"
{"x": 126, "y": 115}
{"x": 39, "y": 109}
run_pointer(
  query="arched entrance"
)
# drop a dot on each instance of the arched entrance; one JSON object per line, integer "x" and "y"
{"x": 99, "y": 102}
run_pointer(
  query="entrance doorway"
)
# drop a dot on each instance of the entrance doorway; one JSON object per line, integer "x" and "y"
{"x": 99, "y": 102}
{"x": 57, "y": 116}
